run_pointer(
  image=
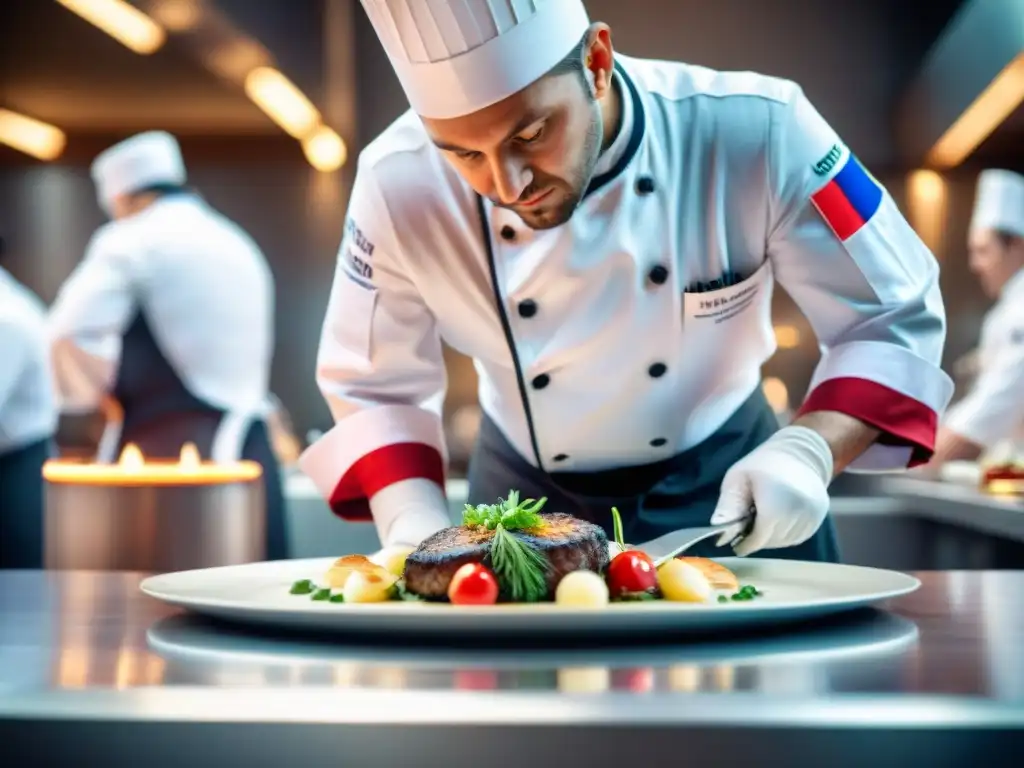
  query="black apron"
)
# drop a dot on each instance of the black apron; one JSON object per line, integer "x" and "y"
{"x": 653, "y": 499}
{"x": 21, "y": 505}
{"x": 160, "y": 415}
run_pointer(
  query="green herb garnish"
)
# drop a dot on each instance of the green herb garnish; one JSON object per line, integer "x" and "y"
{"x": 338, "y": 598}
{"x": 399, "y": 591}
{"x": 510, "y": 513}
{"x": 322, "y": 594}
{"x": 746, "y": 592}
{"x": 617, "y": 529}
{"x": 303, "y": 587}
{"x": 521, "y": 570}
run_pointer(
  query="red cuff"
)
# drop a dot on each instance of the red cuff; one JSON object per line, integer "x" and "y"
{"x": 379, "y": 469}
{"x": 902, "y": 419}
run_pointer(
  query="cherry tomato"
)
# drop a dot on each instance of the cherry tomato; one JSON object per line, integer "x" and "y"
{"x": 631, "y": 571}
{"x": 473, "y": 584}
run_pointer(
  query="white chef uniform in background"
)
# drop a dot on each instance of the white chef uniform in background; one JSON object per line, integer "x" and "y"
{"x": 28, "y": 421}
{"x": 170, "y": 316}
{"x": 635, "y": 332}
{"x": 993, "y": 410}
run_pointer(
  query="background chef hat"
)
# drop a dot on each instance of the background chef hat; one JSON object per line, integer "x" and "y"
{"x": 144, "y": 160}
{"x": 999, "y": 202}
{"x": 454, "y": 57}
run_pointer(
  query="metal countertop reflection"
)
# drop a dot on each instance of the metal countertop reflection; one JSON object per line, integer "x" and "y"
{"x": 93, "y": 643}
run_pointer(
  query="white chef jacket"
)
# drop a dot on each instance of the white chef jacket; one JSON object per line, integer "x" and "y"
{"x": 28, "y": 408}
{"x": 205, "y": 289}
{"x": 634, "y": 330}
{"x": 993, "y": 410}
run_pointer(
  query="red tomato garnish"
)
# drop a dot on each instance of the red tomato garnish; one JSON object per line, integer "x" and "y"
{"x": 473, "y": 584}
{"x": 631, "y": 571}
{"x": 635, "y": 679}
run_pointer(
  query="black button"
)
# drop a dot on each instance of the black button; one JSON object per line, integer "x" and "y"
{"x": 657, "y": 370}
{"x": 539, "y": 382}
{"x": 658, "y": 274}
{"x": 527, "y": 308}
{"x": 508, "y": 233}
{"x": 658, "y": 442}
{"x": 561, "y": 457}
{"x": 645, "y": 185}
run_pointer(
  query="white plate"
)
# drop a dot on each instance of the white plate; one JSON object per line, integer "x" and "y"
{"x": 258, "y": 594}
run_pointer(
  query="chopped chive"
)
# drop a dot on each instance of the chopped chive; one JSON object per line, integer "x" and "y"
{"x": 303, "y": 587}
{"x": 322, "y": 594}
{"x": 339, "y": 598}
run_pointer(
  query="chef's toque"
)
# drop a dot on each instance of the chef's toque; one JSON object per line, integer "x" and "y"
{"x": 999, "y": 202}
{"x": 454, "y": 57}
{"x": 142, "y": 161}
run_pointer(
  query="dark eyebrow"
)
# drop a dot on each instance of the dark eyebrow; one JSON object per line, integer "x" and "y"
{"x": 524, "y": 122}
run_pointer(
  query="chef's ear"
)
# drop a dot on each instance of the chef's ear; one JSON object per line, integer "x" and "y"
{"x": 598, "y": 59}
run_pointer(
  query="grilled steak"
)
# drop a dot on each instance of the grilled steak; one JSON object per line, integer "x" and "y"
{"x": 566, "y": 543}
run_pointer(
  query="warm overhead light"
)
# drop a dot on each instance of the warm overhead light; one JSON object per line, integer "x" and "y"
{"x": 1002, "y": 96}
{"x": 235, "y": 59}
{"x": 285, "y": 104}
{"x": 123, "y": 22}
{"x": 776, "y": 393}
{"x": 926, "y": 207}
{"x": 33, "y": 137}
{"x": 176, "y": 15}
{"x": 325, "y": 150}
{"x": 787, "y": 336}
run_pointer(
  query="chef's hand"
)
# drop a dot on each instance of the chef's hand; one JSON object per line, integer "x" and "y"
{"x": 786, "y": 480}
{"x": 409, "y": 511}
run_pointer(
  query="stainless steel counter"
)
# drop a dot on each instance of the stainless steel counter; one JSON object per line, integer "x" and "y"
{"x": 93, "y": 671}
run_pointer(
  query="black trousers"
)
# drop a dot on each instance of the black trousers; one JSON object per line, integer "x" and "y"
{"x": 21, "y": 505}
{"x": 653, "y": 499}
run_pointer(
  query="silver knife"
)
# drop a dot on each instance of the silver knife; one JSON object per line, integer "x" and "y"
{"x": 664, "y": 548}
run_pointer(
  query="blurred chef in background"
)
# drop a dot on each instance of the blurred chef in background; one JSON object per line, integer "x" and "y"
{"x": 167, "y": 323}
{"x": 602, "y": 234}
{"x": 992, "y": 412}
{"x": 28, "y": 421}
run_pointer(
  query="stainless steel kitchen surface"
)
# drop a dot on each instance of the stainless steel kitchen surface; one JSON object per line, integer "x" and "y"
{"x": 909, "y": 524}
{"x": 91, "y": 669}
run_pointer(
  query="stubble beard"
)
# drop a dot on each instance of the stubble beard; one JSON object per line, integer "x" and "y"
{"x": 579, "y": 180}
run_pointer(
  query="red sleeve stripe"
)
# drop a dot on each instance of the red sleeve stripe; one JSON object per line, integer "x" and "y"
{"x": 902, "y": 419}
{"x": 380, "y": 468}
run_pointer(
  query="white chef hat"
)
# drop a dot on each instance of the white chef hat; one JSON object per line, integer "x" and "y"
{"x": 999, "y": 202}
{"x": 454, "y": 57}
{"x": 142, "y": 161}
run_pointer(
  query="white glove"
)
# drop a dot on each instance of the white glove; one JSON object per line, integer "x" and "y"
{"x": 409, "y": 511}
{"x": 786, "y": 480}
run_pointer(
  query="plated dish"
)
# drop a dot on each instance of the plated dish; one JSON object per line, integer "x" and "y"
{"x": 512, "y": 552}
{"x": 502, "y": 575}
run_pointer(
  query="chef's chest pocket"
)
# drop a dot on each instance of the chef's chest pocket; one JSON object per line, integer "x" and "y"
{"x": 732, "y": 322}
{"x": 353, "y": 322}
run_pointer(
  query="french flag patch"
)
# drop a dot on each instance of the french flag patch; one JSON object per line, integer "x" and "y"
{"x": 849, "y": 200}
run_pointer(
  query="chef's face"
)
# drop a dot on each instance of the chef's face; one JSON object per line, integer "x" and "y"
{"x": 994, "y": 258}
{"x": 535, "y": 152}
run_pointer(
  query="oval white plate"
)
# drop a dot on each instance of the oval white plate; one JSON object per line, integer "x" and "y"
{"x": 257, "y": 594}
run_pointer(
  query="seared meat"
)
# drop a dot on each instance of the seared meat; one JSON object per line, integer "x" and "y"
{"x": 566, "y": 543}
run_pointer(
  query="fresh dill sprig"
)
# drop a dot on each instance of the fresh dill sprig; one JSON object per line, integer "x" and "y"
{"x": 510, "y": 513}
{"x": 521, "y": 570}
